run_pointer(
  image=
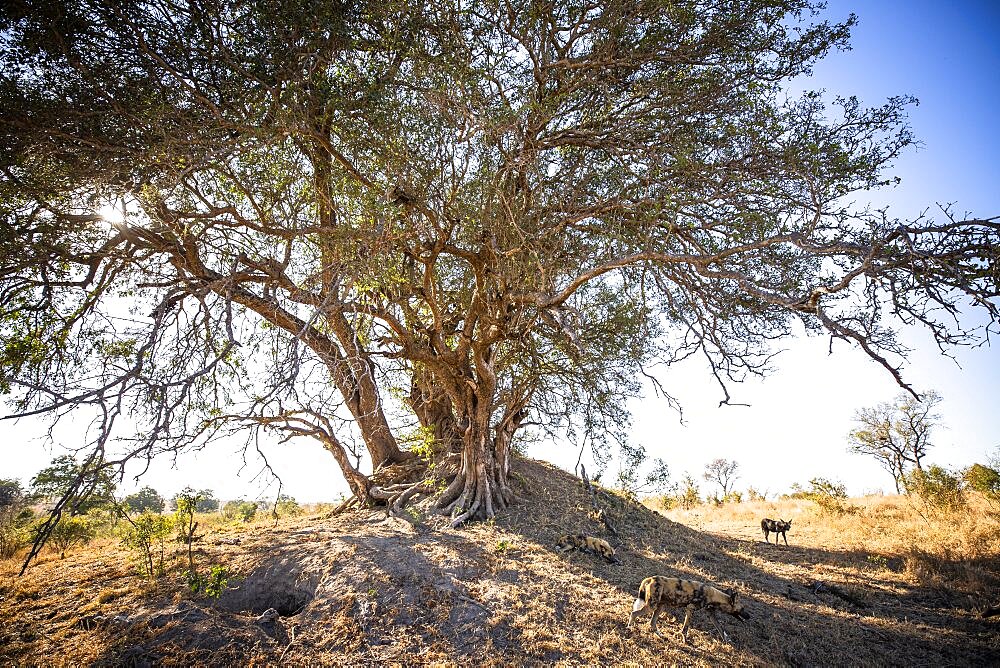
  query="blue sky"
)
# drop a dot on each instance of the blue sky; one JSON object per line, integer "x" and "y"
{"x": 945, "y": 54}
{"x": 948, "y": 56}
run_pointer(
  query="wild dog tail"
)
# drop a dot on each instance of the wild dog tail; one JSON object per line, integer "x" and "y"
{"x": 639, "y": 604}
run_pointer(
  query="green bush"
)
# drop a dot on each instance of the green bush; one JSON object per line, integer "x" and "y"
{"x": 70, "y": 531}
{"x": 287, "y": 506}
{"x": 240, "y": 509}
{"x": 688, "y": 497}
{"x": 937, "y": 487}
{"x": 828, "y": 495}
{"x": 985, "y": 480}
{"x": 146, "y": 535}
{"x": 211, "y": 585}
{"x": 187, "y": 504}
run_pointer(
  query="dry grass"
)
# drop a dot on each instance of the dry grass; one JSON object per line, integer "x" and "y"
{"x": 363, "y": 590}
{"x": 958, "y": 552}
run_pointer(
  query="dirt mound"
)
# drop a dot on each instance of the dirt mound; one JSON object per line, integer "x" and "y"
{"x": 364, "y": 589}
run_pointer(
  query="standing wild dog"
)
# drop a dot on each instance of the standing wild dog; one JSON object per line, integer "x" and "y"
{"x": 658, "y": 592}
{"x": 779, "y": 528}
{"x": 578, "y": 541}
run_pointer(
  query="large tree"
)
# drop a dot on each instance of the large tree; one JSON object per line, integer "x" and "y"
{"x": 370, "y": 223}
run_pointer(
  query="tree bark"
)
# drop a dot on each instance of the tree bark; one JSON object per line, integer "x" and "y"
{"x": 435, "y": 410}
{"x": 364, "y": 401}
{"x": 358, "y": 482}
{"x": 481, "y": 488}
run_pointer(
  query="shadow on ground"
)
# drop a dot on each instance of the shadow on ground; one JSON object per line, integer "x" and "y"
{"x": 364, "y": 589}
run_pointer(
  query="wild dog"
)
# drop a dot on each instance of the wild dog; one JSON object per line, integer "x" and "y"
{"x": 657, "y": 592}
{"x": 779, "y": 528}
{"x": 577, "y": 541}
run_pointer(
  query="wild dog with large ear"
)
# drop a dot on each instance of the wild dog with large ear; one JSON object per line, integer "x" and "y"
{"x": 659, "y": 591}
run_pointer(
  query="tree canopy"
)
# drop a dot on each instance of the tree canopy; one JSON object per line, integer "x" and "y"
{"x": 65, "y": 481}
{"x": 381, "y": 224}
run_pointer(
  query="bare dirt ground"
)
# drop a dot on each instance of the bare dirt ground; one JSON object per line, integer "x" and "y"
{"x": 361, "y": 589}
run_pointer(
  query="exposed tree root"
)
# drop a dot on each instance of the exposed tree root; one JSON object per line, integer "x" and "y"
{"x": 398, "y": 502}
{"x": 474, "y": 497}
{"x": 471, "y": 494}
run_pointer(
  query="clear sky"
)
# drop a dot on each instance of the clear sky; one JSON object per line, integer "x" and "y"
{"x": 948, "y": 56}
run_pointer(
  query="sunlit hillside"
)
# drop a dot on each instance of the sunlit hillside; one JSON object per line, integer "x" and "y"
{"x": 868, "y": 587}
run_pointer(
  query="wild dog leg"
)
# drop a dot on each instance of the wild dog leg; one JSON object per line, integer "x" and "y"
{"x": 687, "y": 624}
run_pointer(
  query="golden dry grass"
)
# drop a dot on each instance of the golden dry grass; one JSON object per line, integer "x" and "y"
{"x": 363, "y": 590}
{"x": 954, "y": 551}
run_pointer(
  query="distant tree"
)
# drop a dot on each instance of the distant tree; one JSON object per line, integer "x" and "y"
{"x": 897, "y": 434}
{"x": 15, "y": 515}
{"x": 723, "y": 473}
{"x": 88, "y": 488}
{"x": 146, "y": 498}
{"x": 239, "y": 509}
{"x": 11, "y": 492}
{"x": 207, "y": 503}
{"x": 629, "y": 479}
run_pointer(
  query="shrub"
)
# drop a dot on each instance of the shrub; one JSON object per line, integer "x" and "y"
{"x": 937, "y": 487}
{"x": 187, "y": 504}
{"x": 985, "y": 480}
{"x": 664, "y": 501}
{"x": 70, "y": 531}
{"x": 146, "y": 535}
{"x": 211, "y": 585}
{"x": 240, "y": 509}
{"x": 828, "y": 495}
{"x": 688, "y": 497}
{"x": 287, "y": 506}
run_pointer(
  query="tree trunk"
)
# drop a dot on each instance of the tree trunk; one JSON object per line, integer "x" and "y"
{"x": 359, "y": 391}
{"x": 358, "y": 482}
{"x": 434, "y": 408}
{"x": 354, "y": 380}
{"x": 481, "y": 488}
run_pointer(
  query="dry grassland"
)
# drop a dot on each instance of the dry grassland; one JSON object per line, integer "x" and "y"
{"x": 360, "y": 589}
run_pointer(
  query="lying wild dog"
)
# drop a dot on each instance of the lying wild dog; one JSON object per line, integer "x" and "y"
{"x": 779, "y": 528}
{"x": 578, "y": 541}
{"x": 658, "y": 592}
